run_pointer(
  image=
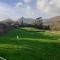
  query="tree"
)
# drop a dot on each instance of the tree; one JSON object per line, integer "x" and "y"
{"x": 22, "y": 18}
{"x": 38, "y": 22}
{"x": 8, "y": 21}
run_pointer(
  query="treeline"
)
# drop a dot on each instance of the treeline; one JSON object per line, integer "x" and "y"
{"x": 9, "y": 24}
{"x": 36, "y": 23}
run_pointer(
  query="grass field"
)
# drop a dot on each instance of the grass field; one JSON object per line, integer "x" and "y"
{"x": 32, "y": 44}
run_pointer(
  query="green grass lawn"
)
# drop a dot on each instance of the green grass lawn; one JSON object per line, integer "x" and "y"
{"x": 32, "y": 44}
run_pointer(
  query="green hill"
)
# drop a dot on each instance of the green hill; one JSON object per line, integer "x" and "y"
{"x": 31, "y": 44}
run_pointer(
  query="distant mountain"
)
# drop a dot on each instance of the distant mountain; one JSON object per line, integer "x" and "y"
{"x": 7, "y": 21}
{"x": 22, "y": 18}
{"x": 52, "y": 19}
{"x": 56, "y": 18}
{"x": 26, "y": 20}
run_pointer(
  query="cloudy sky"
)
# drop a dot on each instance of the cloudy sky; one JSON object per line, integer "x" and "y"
{"x": 29, "y": 8}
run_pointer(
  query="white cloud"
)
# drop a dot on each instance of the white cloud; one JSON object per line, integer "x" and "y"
{"x": 50, "y": 7}
{"x": 27, "y": 1}
{"x": 19, "y": 4}
{"x": 25, "y": 10}
{"x": 7, "y": 11}
{"x": 29, "y": 12}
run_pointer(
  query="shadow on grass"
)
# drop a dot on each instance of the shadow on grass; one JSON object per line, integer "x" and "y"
{"x": 31, "y": 50}
{"x": 25, "y": 49}
{"x": 28, "y": 34}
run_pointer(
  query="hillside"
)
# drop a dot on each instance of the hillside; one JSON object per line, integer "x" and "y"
{"x": 55, "y": 18}
{"x": 51, "y": 20}
{"x": 31, "y": 44}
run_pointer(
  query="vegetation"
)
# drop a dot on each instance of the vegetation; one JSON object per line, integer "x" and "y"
{"x": 33, "y": 44}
